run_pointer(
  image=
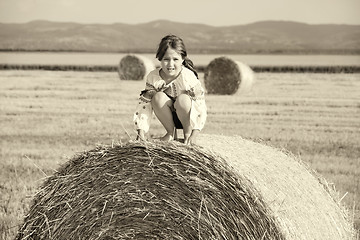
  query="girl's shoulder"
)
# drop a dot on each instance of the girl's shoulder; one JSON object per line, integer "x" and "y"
{"x": 187, "y": 72}
{"x": 188, "y": 75}
{"x": 153, "y": 75}
{"x": 154, "y": 72}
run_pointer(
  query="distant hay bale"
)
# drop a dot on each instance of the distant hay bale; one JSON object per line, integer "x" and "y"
{"x": 135, "y": 67}
{"x": 226, "y": 76}
{"x": 158, "y": 190}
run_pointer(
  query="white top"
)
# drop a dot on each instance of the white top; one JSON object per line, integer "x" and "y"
{"x": 186, "y": 83}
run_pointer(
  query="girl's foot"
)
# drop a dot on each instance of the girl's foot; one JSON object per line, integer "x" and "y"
{"x": 187, "y": 138}
{"x": 167, "y": 138}
{"x": 190, "y": 139}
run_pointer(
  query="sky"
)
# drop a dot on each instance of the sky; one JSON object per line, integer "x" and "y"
{"x": 210, "y": 12}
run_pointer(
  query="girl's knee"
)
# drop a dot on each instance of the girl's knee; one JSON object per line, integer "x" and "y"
{"x": 183, "y": 101}
{"x": 159, "y": 99}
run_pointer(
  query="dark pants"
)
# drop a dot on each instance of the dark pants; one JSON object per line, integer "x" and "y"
{"x": 176, "y": 120}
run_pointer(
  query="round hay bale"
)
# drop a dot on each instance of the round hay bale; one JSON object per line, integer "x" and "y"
{"x": 158, "y": 190}
{"x": 148, "y": 191}
{"x": 226, "y": 76}
{"x": 135, "y": 67}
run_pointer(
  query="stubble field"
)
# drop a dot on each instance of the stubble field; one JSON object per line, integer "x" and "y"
{"x": 46, "y": 117}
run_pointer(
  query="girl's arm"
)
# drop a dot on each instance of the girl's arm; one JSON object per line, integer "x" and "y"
{"x": 198, "y": 113}
{"x": 143, "y": 113}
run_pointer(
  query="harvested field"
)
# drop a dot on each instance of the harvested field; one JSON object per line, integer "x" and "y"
{"x": 47, "y": 116}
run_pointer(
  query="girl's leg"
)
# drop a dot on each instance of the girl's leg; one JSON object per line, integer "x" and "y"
{"x": 183, "y": 107}
{"x": 162, "y": 105}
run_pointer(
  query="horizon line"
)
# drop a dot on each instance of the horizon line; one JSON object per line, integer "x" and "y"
{"x": 172, "y": 21}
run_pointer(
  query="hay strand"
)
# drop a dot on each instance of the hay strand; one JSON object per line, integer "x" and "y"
{"x": 135, "y": 67}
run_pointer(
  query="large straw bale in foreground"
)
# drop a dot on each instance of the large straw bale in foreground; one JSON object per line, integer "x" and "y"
{"x": 226, "y": 76}
{"x": 135, "y": 67}
{"x": 157, "y": 190}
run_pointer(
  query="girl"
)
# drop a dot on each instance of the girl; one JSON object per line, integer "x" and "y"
{"x": 173, "y": 92}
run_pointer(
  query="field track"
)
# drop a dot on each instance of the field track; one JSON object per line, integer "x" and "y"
{"x": 112, "y": 68}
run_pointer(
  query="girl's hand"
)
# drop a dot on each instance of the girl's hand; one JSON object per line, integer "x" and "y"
{"x": 141, "y": 135}
{"x": 192, "y": 139}
{"x": 160, "y": 85}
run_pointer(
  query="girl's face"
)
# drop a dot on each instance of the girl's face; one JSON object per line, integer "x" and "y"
{"x": 171, "y": 64}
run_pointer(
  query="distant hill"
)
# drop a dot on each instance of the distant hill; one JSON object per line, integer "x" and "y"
{"x": 259, "y": 37}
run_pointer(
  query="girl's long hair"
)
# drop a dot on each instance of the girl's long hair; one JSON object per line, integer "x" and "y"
{"x": 178, "y": 45}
